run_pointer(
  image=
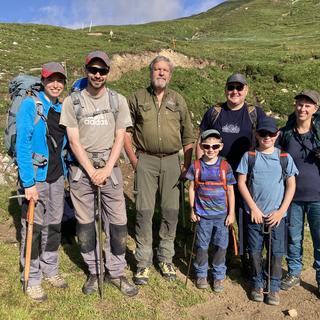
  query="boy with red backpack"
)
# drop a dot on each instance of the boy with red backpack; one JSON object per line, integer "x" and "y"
{"x": 267, "y": 184}
{"x": 211, "y": 198}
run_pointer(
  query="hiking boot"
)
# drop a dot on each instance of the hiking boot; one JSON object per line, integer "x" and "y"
{"x": 273, "y": 298}
{"x": 202, "y": 283}
{"x": 168, "y": 271}
{"x": 218, "y": 285}
{"x": 123, "y": 285}
{"x": 36, "y": 293}
{"x": 57, "y": 281}
{"x": 91, "y": 285}
{"x": 142, "y": 276}
{"x": 256, "y": 294}
{"x": 289, "y": 282}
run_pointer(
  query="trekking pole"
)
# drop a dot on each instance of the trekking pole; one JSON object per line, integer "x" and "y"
{"x": 100, "y": 243}
{"x": 191, "y": 252}
{"x": 234, "y": 237}
{"x": 267, "y": 230}
{"x": 182, "y": 208}
{"x": 29, "y": 220}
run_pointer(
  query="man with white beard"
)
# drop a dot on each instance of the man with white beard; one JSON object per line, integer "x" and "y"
{"x": 161, "y": 127}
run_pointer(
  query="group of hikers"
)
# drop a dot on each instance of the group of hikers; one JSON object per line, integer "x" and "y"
{"x": 245, "y": 170}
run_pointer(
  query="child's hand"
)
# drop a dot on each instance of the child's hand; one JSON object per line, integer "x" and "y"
{"x": 194, "y": 217}
{"x": 230, "y": 220}
{"x": 256, "y": 216}
{"x": 274, "y": 218}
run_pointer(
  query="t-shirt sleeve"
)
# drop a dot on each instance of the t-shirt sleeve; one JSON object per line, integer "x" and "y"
{"x": 230, "y": 177}
{"x": 68, "y": 117}
{"x": 291, "y": 169}
{"x": 206, "y": 121}
{"x": 190, "y": 172}
{"x": 243, "y": 165}
{"x": 123, "y": 118}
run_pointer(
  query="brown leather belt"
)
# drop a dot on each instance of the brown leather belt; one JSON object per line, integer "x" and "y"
{"x": 158, "y": 155}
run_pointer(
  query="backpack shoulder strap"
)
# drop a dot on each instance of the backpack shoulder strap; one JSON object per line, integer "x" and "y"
{"x": 216, "y": 110}
{"x": 75, "y": 98}
{"x": 223, "y": 173}
{"x": 114, "y": 102}
{"x": 39, "y": 110}
{"x": 251, "y": 163}
{"x": 197, "y": 172}
{"x": 283, "y": 157}
{"x": 252, "y": 110}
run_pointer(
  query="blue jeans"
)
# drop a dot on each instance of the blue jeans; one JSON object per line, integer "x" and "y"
{"x": 256, "y": 240}
{"x": 296, "y": 214}
{"x": 211, "y": 232}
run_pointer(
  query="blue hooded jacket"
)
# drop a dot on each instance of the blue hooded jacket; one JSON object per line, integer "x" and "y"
{"x": 32, "y": 140}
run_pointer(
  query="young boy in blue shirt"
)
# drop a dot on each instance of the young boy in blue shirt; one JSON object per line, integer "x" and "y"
{"x": 211, "y": 198}
{"x": 267, "y": 185}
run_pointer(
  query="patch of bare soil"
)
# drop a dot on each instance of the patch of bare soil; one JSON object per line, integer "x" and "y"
{"x": 234, "y": 304}
{"x": 123, "y": 63}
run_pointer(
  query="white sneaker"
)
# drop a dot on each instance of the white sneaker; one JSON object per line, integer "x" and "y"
{"x": 36, "y": 293}
{"x": 57, "y": 281}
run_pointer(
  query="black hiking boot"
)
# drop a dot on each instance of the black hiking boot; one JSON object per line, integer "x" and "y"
{"x": 142, "y": 276}
{"x": 202, "y": 283}
{"x": 289, "y": 282}
{"x": 168, "y": 271}
{"x": 123, "y": 285}
{"x": 91, "y": 285}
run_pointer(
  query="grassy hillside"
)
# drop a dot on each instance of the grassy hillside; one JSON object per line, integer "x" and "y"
{"x": 275, "y": 42}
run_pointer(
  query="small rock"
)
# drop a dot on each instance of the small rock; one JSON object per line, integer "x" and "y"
{"x": 293, "y": 313}
{"x": 14, "y": 43}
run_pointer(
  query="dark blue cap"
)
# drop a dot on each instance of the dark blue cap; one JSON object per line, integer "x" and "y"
{"x": 267, "y": 124}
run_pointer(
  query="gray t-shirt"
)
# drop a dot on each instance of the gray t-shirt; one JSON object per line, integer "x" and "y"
{"x": 267, "y": 187}
{"x": 96, "y": 130}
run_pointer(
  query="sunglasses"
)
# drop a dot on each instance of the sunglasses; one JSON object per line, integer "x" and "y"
{"x": 264, "y": 133}
{"x": 95, "y": 70}
{"x": 231, "y": 87}
{"x": 207, "y": 146}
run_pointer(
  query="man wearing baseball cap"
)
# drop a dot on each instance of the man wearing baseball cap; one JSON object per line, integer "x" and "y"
{"x": 300, "y": 137}
{"x": 39, "y": 145}
{"x": 236, "y": 120}
{"x": 96, "y": 119}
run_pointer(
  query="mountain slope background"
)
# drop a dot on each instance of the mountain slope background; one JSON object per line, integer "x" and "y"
{"x": 276, "y": 43}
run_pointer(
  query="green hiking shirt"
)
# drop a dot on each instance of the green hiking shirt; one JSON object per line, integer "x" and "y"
{"x": 163, "y": 129}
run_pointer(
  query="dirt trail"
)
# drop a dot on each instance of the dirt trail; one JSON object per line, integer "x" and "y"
{"x": 234, "y": 303}
{"x": 123, "y": 63}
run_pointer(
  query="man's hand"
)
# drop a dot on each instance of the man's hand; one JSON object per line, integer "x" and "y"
{"x": 31, "y": 193}
{"x": 274, "y": 218}
{"x": 256, "y": 216}
{"x": 100, "y": 175}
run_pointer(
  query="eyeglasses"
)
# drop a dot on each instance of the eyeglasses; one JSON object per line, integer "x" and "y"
{"x": 265, "y": 133}
{"x": 231, "y": 87}
{"x": 95, "y": 70}
{"x": 207, "y": 146}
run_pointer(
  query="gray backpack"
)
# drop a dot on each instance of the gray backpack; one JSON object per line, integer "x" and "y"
{"x": 76, "y": 88}
{"x": 21, "y": 87}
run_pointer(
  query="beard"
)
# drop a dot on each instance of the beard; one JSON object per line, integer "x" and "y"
{"x": 159, "y": 83}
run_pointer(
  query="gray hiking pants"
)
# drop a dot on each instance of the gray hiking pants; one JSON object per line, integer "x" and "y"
{"x": 156, "y": 174}
{"x": 46, "y": 231}
{"x": 114, "y": 217}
